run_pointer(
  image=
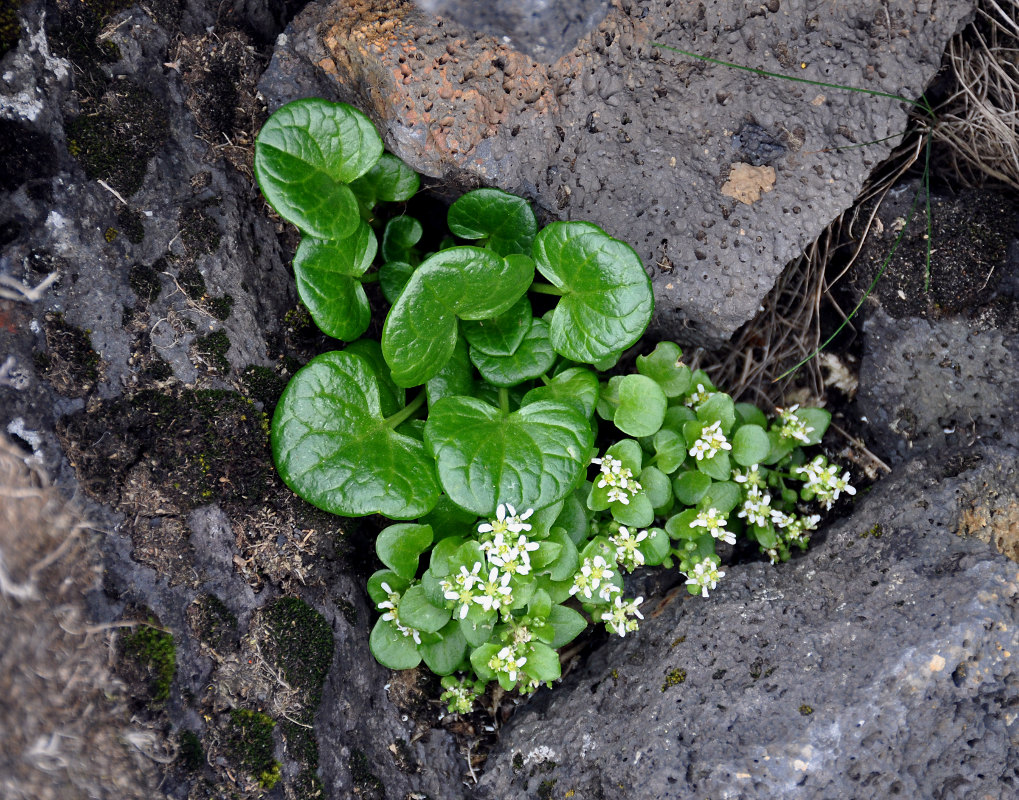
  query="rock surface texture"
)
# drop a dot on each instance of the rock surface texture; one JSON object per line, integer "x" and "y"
{"x": 718, "y": 177}
{"x": 883, "y": 663}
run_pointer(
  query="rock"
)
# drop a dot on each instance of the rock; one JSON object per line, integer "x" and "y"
{"x": 939, "y": 363}
{"x": 637, "y": 138}
{"x": 882, "y": 663}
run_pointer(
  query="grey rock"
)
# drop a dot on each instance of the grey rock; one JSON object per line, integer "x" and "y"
{"x": 882, "y": 663}
{"x": 545, "y": 29}
{"x": 639, "y": 139}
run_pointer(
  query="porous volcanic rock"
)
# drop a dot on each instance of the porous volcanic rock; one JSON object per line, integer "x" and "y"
{"x": 882, "y": 663}
{"x": 639, "y": 139}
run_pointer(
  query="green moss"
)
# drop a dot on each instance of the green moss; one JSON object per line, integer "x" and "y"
{"x": 213, "y": 623}
{"x": 302, "y": 643}
{"x": 144, "y": 282}
{"x": 191, "y": 281}
{"x": 308, "y": 786}
{"x": 116, "y": 143}
{"x": 199, "y": 232}
{"x": 155, "y": 654}
{"x": 806, "y": 710}
{"x": 192, "y": 754}
{"x": 546, "y": 789}
{"x": 71, "y": 365}
{"x": 367, "y": 785}
{"x": 10, "y": 24}
{"x": 264, "y": 385}
{"x": 212, "y": 347}
{"x": 518, "y": 762}
{"x": 674, "y": 677}
{"x": 219, "y": 307}
{"x": 131, "y": 224}
{"x": 249, "y": 745}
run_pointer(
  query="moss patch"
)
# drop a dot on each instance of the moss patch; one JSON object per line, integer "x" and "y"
{"x": 212, "y": 349}
{"x": 264, "y": 385}
{"x": 302, "y": 644}
{"x": 367, "y": 784}
{"x": 249, "y": 745}
{"x": 152, "y": 656}
{"x": 674, "y": 677}
{"x": 131, "y": 224}
{"x": 192, "y": 754}
{"x": 144, "y": 282}
{"x": 199, "y": 232}
{"x": 213, "y": 623}
{"x": 69, "y": 363}
{"x": 10, "y": 24}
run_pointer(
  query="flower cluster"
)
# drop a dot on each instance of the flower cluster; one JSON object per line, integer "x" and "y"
{"x": 711, "y": 441}
{"x": 507, "y": 520}
{"x": 757, "y": 508}
{"x": 823, "y": 481}
{"x": 508, "y": 662}
{"x": 594, "y": 580}
{"x": 619, "y": 479}
{"x": 694, "y": 399}
{"x": 389, "y": 606}
{"x": 619, "y": 618}
{"x": 459, "y": 694}
{"x": 792, "y": 427}
{"x": 628, "y": 554}
{"x": 714, "y": 522}
{"x": 704, "y": 575}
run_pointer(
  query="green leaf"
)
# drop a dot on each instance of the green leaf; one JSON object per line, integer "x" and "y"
{"x": 448, "y": 519}
{"x": 389, "y": 180}
{"x": 542, "y": 662}
{"x": 530, "y": 458}
{"x": 506, "y": 220}
{"x": 606, "y": 302}
{"x": 718, "y": 408}
{"x": 306, "y": 154}
{"x": 656, "y": 547}
{"x": 656, "y": 486}
{"x": 393, "y": 277}
{"x": 574, "y": 518}
{"x": 547, "y": 553}
{"x": 679, "y": 527}
{"x": 690, "y": 487}
{"x": 750, "y": 445}
{"x": 477, "y": 626}
{"x": 676, "y": 417}
{"x": 399, "y": 546}
{"x": 391, "y": 648}
{"x": 466, "y": 282}
{"x": 455, "y": 378}
{"x": 480, "y": 658}
{"x": 638, "y": 513}
{"x": 629, "y": 453}
{"x": 540, "y": 605}
{"x": 642, "y": 405}
{"x": 608, "y": 398}
{"x": 576, "y": 385}
{"x": 717, "y": 467}
{"x": 532, "y": 358}
{"x": 388, "y": 577}
{"x": 415, "y": 611}
{"x": 441, "y": 553}
{"x": 569, "y": 624}
{"x": 444, "y": 656}
{"x": 816, "y": 418}
{"x": 567, "y": 561}
{"x": 749, "y": 414}
{"x": 332, "y": 446}
{"x": 664, "y": 365}
{"x": 502, "y": 335}
{"x": 670, "y": 450}
{"x": 399, "y": 238}
{"x": 723, "y": 496}
{"x": 327, "y": 272}
{"x": 391, "y": 397}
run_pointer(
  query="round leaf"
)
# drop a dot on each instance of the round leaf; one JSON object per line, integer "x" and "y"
{"x": 576, "y": 385}
{"x": 502, "y": 335}
{"x": 416, "y": 612}
{"x": 467, "y": 282}
{"x": 326, "y": 271}
{"x": 670, "y": 450}
{"x": 607, "y": 300}
{"x": 445, "y": 655}
{"x": 568, "y": 625}
{"x": 399, "y": 238}
{"x": 506, "y": 220}
{"x": 306, "y": 154}
{"x": 393, "y": 276}
{"x": 542, "y": 662}
{"x": 750, "y": 445}
{"x": 532, "y": 358}
{"x": 690, "y": 487}
{"x": 530, "y": 458}
{"x": 388, "y": 180}
{"x": 665, "y": 367}
{"x": 642, "y": 405}
{"x": 332, "y": 446}
{"x": 398, "y": 547}
{"x": 638, "y": 513}
{"x": 391, "y": 648}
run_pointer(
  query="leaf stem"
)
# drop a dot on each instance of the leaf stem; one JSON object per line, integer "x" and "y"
{"x": 371, "y": 277}
{"x": 504, "y": 400}
{"x": 547, "y": 288}
{"x": 407, "y": 412}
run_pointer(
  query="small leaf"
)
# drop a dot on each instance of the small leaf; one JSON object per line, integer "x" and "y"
{"x": 449, "y": 520}
{"x": 332, "y": 446}
{"x": 547, "y": 553}
{"x": 665, "y": 367}
{"x": 717, "y": 467}
{"x": 398, "y": 547}
{"x": 567, "y": 561}
{"x": 306, "y": 154}
{"x": 574, "y": 518}
{"x": 505, "y": 220}
{"x": 391, "y": 397}
{"x": 477, "y": 626}
{"x": 480, "y": 658}
{"x": 445, "y": 656}
{"x": 606, "y": 302}
{"x": 455, "y": 378}
{"x": 657, "y": 487}
{"x": 656, "y": 547}
{"x": 569, "y": 624}
{"x": 642, "y": 405}
{"x": 723, "y": 496}
{"x": 690, "y": 487}
{"x": 540, "y": 604}
{"x": 530, "y": 458}
{"x": 542, "y": 662}
{"x": 393, "y": 277}
{"x": 466, "y": 282}
{"x": 389, "y": 180}
{"x": 399, "y": 238}
{"x": 750, "y": 445}
{"x": 576, "y": 385}
{"x": 502, "y": 335}
{"x": 608, "y": 398}
{"x": 816, "y": 418}
{"x": 679, "y": 526}
{"x": 388, "y": 577}
{"x": 391, "y": 648}
{"x": 629, "y": 453}
{"x": 441, "y": 554}
{"x": 532, "y": 358}
{"x": 670, "y": 450}
{"x": 718, "y": 408}
{"x": 415, "y": 611}
{"x": 749, "y": 414}
{"x": 638, "y": 513}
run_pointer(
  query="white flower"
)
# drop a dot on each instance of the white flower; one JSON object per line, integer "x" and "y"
{"x": 594, "y": 575}
{"x": 506, "y": 520}
{"x": 628, "y": 554}
{"x": 705, "y": 574}
{"x": 461, "y": 589}
{"x": 756, "y": 508}
{"x": 507, "y": 662}
{"x": 715, "y": 524}
{"x": 619, "y": 617}
{"x": 752, "y": 478}
{"x": 495, "y": 592}
{"x": 389, "y": 604}
{"x": 619, "y": 495}
{"x": 792, "y": 426}
{"x": 711, "y": 441}
{"x": 698, "y": 397}
{"x": 618, "y": 478}
{"x": 780, "y": 519}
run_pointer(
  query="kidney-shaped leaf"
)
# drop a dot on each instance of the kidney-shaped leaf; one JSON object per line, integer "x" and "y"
{"x": 506, "y": 220}
{"x": 532, "y": 358}
{"x": 327, "y": 272}
{"x": 528, "y": 459}
{"x": 501, "y": 335}
{"x": 390, "y": 180}
{"x": 466, "y": 282}
{"x": 332, "y": 446}
{"x": 306, "y": 154}
{"x": 399, "y": 546}
{"x": 607, "y": 300}
{"x": 576, "y": 386}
